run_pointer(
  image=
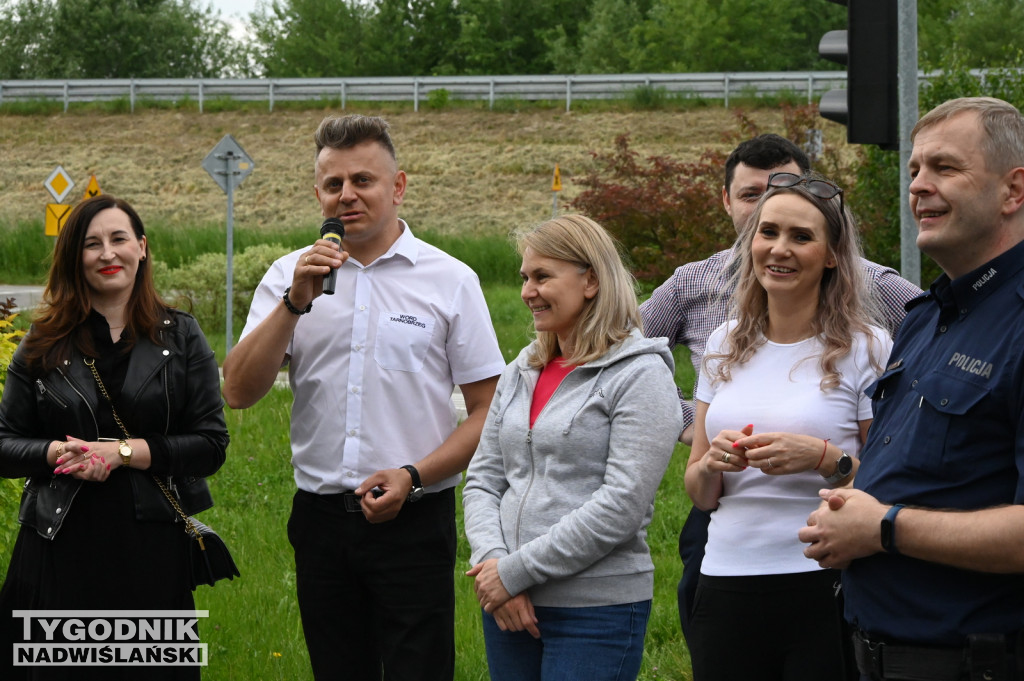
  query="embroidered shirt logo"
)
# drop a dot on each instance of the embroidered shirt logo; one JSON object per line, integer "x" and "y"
{"x": 408, "y": 319}
{"x": 984, "y": 279}
{"x": 971, "y": 365}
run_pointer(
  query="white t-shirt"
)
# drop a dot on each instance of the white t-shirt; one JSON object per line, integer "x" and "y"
{"x": 754, "y": 529}
{"x": 373, "y": 366}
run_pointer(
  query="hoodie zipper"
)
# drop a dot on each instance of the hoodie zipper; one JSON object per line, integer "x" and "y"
{"x": 529, "y": 486}
{"x": 533, "y": 464}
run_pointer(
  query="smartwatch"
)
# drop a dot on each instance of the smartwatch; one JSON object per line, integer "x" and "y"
{"x": 889, "y": 529}
{"x": 844, "y": 466}
{"x": 416, "y": 493}
{"x": 125, "y": 450}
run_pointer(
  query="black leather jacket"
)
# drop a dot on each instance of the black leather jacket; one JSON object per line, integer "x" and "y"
{"x": 174, "y": 394}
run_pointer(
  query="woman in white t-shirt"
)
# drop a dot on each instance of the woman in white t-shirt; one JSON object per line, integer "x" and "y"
{"x": 781, "y": 413}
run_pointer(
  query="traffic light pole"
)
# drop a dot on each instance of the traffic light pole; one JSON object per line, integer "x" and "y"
{"x": 910, "y": 257}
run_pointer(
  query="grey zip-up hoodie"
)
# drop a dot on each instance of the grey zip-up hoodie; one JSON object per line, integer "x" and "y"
{"x": 565, "y": 506}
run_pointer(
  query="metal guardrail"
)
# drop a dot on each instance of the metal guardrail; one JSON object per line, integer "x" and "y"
{"x": 717, "y": 86}
{"x": 418, "y": 89}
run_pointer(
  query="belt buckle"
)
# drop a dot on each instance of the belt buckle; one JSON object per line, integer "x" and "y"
{"x": 352, "y": 504}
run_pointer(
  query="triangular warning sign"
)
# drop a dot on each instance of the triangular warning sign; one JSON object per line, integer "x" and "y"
{"x": 93, "y": 189}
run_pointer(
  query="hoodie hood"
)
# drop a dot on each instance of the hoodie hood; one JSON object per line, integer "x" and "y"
{"x": 634, "y": 344}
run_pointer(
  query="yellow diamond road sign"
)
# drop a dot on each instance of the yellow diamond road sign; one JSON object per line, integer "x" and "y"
{"x": 59, "y": 184}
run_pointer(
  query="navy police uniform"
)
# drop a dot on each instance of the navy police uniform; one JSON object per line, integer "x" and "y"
{"x": 948, "y": 433}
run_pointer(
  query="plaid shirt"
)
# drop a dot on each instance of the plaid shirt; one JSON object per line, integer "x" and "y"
{"x": 694, "y": 301}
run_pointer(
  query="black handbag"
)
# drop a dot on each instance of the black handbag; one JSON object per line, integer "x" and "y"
{"x": 209, "y": 558}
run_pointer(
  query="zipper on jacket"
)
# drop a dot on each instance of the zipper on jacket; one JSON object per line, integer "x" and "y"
{"x": 526, "y": 493}
{"x": 49, "y": 394}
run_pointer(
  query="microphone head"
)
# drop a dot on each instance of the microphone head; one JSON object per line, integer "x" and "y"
{"x": 333, "y": 226}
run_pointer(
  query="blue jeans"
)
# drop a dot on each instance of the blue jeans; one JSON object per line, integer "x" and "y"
{"x": 604, "y": 643}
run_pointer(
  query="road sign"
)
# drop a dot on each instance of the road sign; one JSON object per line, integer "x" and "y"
{"x": 56, "y": 216}
{"x": 93, "y": 189}
{"x": 59, "y": 183}
{"x": 228, "y": 164}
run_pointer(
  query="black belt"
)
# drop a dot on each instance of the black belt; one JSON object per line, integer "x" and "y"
{"x": 985, "y": 657}
{"x": 352, "y": 500}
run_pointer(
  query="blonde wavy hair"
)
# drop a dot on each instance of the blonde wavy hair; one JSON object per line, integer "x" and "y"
{"x": 845, "y": 305}
{"x": 608, "y": 317}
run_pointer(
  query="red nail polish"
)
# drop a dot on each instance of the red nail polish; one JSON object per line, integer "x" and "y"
{"x": 108, "y": 466}
{"x": 735, "y": 446}
{"x": 66, "y": 470}
{"x": 57, "y": 469}
{"x": 85, "y": 449}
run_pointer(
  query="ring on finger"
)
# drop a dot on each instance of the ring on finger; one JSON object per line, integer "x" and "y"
{"x": 307, "y": 259}
{"x": 770, "y": 466}
{"x": 725, "y": 457}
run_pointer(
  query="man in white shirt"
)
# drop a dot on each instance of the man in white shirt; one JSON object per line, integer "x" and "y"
{"x": 376, "y": 447}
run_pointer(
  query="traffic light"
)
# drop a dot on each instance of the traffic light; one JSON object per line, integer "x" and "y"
{"x": 868, "y": 107}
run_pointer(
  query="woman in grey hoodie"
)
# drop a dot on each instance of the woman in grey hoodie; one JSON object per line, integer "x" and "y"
{"x": 561, "y": 489}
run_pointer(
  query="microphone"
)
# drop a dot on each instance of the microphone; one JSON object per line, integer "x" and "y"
{"x": 332, "y": 230}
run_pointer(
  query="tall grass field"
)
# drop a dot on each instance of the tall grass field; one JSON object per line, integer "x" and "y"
{"x": 253, "y": 630}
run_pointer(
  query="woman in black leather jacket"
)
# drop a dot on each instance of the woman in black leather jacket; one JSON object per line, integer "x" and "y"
{"x": 96, "y": 531}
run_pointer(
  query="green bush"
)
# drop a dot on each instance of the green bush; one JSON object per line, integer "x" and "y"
{"x": 200, "y": 285}
{"x": 648, "y": 98}
{"x": 438, "y": 99}
{"x": 10, "y": 489}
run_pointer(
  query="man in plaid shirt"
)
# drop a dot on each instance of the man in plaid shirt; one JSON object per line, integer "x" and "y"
{"x": 694, "y": 301}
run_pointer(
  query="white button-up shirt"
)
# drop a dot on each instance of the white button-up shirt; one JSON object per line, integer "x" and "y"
{"x": 372, "y": 367}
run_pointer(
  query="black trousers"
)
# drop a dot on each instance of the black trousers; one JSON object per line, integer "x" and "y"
{"x": 377, "y": 601}
{"x": 769, "y": 628}
{"x": 692, "y": 540}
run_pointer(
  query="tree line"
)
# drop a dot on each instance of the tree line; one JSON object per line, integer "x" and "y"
{"x": 335, "y": 38}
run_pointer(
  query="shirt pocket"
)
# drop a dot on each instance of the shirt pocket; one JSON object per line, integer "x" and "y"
{"x": 944, "y": 398}
{"x": 402, "y": 341}
{"x": 886, "y": 384}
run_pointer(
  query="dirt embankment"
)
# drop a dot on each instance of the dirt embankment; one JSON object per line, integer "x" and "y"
{"x": 474, "y": 171}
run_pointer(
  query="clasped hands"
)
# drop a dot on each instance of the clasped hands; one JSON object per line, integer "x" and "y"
{"x": 512, "y": 613}
{"x": 845, "y": 527}
{"x": 732, "y": 451}
{"x": 81, "y": 460}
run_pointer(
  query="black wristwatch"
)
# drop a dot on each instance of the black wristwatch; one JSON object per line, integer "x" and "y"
{"x": 844, "y": 466}
{"x": 889, "y": 529}
{"x": 416, "y": 493}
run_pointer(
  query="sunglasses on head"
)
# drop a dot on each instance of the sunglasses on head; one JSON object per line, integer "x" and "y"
{"x": 823, "y": 189}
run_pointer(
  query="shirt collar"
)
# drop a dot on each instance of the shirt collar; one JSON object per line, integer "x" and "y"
{"x": 405, "y": 246}
{"x": 966, "y": 292}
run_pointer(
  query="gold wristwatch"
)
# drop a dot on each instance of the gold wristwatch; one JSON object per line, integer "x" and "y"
{"x": 125, "y": 450}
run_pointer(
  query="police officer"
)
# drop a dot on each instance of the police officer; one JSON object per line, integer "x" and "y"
{"x": 932, "y": 538}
